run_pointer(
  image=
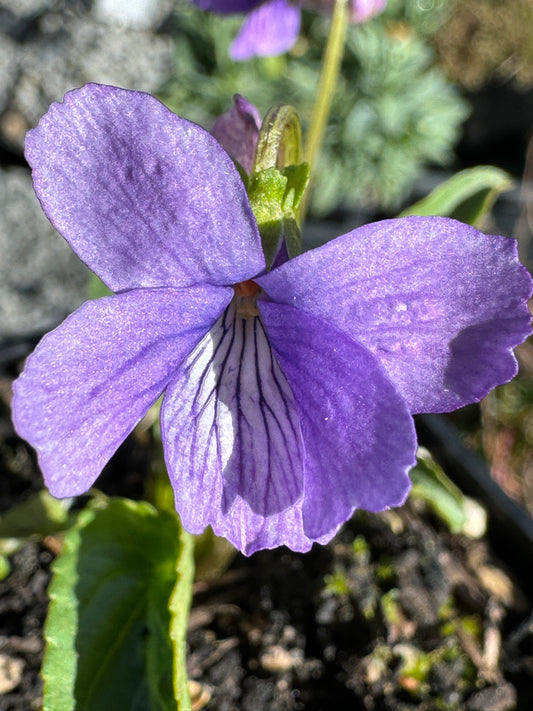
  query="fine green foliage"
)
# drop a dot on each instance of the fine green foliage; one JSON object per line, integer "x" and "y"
{"x": 393, "y": 110}
{"x": 39, "y": 516}
{"x": 467, "y": 196}
{"x": 432, "y": 486}
{"x": 107, "y": 631}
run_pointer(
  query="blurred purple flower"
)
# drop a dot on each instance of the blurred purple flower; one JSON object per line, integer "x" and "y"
{"x": 288, "y": 395}
{"x": 271, "y": 27}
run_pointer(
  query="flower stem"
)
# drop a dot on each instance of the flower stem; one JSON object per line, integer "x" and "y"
{"x": 326, "y": 87}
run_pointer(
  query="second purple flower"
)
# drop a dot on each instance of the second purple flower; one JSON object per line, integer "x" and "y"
{"x": 271, "y": 27}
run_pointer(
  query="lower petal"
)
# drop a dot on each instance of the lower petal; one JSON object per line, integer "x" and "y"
{"x": 358, "y": 435}
{"x": 90, "y": 381}
{"x": 232, "y": 439}
{"x": 270, "y": 29}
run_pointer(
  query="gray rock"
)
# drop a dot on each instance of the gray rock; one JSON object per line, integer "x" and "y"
{"x": 8, "y": 70}
{"x": 41, "y": 279}
{"x": 24, "y": 8}
{"x": 137, "y": 14}
{"x": 71, "y": 49}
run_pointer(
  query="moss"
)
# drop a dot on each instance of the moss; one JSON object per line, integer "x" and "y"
{"x": 336, "y": 584}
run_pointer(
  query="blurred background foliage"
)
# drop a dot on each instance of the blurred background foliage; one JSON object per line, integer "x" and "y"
{"x": 486, "y": 39}
{"x": 394, "y": 110}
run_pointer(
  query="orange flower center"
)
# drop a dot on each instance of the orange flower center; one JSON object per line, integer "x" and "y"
{"x": 246, "y": 293}
{"x": 246, "y": 288}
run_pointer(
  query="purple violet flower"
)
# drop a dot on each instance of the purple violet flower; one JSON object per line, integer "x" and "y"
{"x": 271, "y": 27}
{"x": 287, "y": 396}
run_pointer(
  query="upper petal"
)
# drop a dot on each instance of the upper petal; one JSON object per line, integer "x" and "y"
{"x": 227, "y": 6}
{"x": 270, "y": 29}
{"x": 358, "y": 435}
{"x": 90, "y": 381}
{"x": 232, "y": 440}
{"x": 144, "y": 197}
{"x": 363, "y": 10}
{"x": 237, "y": 131}
{"x": 440, "y": 304}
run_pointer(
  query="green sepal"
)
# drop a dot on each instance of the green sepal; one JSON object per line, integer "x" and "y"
{"x": 274, "y": 197}
{"x": 107, "y": 631}
{"x": 467, "y": 196}
{"x": 278, "y": 181}
{"x": 297, "y": 181}
{"x": 266, "y": 191}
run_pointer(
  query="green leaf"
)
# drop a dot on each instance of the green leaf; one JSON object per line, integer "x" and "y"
{"x": 37, "y": 517}
{"x": 180, "y": 603}
{"x": 467, "y": 196}
{"x": 108, "y": 645}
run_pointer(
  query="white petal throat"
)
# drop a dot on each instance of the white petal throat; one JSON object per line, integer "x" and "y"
{"x": 242, "y": 419}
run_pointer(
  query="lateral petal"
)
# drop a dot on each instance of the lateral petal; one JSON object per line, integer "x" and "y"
{"x": 358, "y": 435}
{"x": 89, "y": 382}
{"x": 232, "y": 439}
{"x": 270, "y": 29}
{"x": 439, "y": 304}
{"x": 143, "y": 197}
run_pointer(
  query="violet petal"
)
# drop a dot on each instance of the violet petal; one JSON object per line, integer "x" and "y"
{"x": 90, "y": 381}
{"x": 270, "y": 29}
{"x": 232, "y": 439}
{"x": 358, "y": 434}
{"x": 144, "y": 197}
{"x": 440, "y": 304}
